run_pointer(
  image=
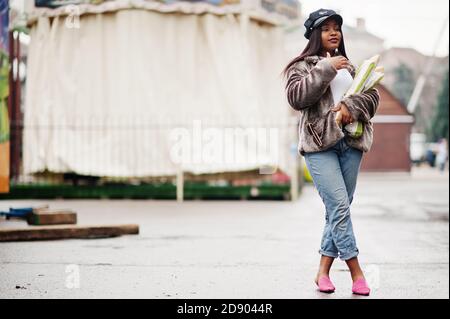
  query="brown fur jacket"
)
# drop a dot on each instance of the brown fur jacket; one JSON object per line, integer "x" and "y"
{"x": 308, "y": 91}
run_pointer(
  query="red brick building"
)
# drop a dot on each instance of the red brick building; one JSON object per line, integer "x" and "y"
{"x": 392, "y": 128}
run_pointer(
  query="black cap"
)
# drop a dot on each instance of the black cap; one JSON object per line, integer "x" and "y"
{"x": 316, "y": 18}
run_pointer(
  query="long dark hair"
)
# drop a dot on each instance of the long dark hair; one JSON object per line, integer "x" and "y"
{"x": 314, "y": 47}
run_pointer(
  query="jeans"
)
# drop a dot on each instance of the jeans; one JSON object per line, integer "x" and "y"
{"x": 334, "y": 172}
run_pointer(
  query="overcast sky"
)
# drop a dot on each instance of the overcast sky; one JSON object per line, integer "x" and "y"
{"x": 402, "y": 23}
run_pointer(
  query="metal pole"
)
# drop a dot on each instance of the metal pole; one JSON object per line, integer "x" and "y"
{"x": 412, "y": 104}
{"x": 294, "y": 156}
{"x": 180, "y": 185}
{"x": 294, "y": 180}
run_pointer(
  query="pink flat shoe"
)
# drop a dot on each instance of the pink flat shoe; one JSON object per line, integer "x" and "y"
{"x": 325, "y": 285}
{"x": 360, "y": 287}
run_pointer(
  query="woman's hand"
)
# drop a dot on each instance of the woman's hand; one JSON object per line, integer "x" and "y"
{"x": 339, "y": 62}
{"x": 346, "y": 117}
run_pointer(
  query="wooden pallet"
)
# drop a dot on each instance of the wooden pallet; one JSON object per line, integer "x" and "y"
{"x": 52, "y": 217}
{"x": 66, "y": 232}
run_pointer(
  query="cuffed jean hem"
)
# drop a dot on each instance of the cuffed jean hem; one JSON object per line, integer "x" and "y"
{"x": 349, "y": 255}
{"x": 328, "y": 254}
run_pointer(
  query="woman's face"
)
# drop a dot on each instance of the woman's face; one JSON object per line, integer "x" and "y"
{"x": 331, "y": 35}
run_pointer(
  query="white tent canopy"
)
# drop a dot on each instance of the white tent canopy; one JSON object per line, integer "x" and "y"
{"x": 109, "y": 97}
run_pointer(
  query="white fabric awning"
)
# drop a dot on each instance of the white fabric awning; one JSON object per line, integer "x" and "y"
{"x": 107, "y": 98}
{"x": 255, "y": 13}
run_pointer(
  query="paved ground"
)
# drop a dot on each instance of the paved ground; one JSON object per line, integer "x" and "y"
{"x": 240, "y": 249}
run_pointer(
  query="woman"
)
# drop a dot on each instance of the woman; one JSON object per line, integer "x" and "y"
{"x": 442, "y": 154}
{"x": 332, "y": 156}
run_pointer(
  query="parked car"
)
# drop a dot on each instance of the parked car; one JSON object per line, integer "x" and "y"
{"x": 418, "y": 148}
{"x": 431, "y": 152}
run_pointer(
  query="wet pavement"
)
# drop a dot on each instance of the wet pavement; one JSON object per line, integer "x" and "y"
{"x": 241, "y": 249}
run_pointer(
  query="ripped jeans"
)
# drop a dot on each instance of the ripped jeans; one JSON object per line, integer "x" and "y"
{"x": 334, "y": 172}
